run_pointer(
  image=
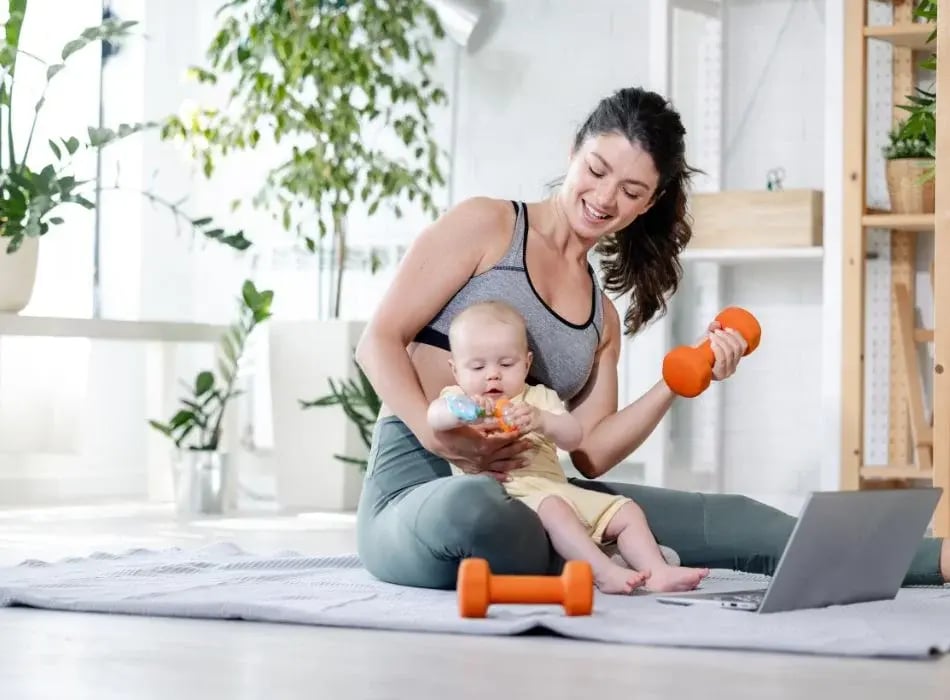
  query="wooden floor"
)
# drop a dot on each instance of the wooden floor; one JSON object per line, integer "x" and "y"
{"x": 71, "y": 655}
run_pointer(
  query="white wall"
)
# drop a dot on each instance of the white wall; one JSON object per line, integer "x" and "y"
{"x": 54, "y": 433}
{"x": 526, "y": 91}
{"x": 775, "y": 92}
{"x": 520, "y": 98}
{"x": 774, "y": 116}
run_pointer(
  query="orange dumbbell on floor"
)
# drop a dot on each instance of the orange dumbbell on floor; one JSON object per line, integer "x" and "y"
{"x": 688, "y": 370}
{"x": 478, "y": 588}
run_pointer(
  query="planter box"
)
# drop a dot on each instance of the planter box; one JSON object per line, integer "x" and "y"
{"x": 907, "y": 193}
{"x": 756, "y": 219}
{"x": 17, "y": 274}
{"x": 303, "y": 355}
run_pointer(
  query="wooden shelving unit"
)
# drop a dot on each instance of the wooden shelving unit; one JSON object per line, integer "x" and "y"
{"x": 903, "y": 34}
{"x": 899, "y": 222}
{"x": 919, "y": 450}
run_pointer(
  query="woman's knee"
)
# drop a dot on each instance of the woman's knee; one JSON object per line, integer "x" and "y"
{"x": 420, "y": 537}
{"x": 754, "y": 532}
{"x": 473, "y": 515}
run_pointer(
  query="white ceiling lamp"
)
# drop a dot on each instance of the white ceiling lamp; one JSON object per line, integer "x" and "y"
{"x": 460, "y": 18}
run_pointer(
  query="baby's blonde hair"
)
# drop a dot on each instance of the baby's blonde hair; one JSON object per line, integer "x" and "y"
{"x": 494, "y": 311}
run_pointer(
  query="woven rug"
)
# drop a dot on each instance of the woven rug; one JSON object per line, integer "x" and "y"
{"x": 223, "y": 581}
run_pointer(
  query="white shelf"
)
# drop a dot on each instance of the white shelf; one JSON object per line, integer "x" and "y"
{"x": 740, "y": 255}
{"x": 109, "y": 329}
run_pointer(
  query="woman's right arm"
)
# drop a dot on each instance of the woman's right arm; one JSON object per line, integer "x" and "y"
{"x": 438, "y": 263}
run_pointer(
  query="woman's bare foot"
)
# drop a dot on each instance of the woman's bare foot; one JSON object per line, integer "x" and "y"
{"x": 617, "y": 579}
{"x": 665, "y": 579}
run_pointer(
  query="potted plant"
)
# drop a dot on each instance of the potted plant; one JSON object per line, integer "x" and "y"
{"x": 360, "y": 404}
{"x": 34, "y": 199}
{"x": 204, "y": 479}
{"x": 909, "y": 163}
{"x": 348, "y": 87}
{"x": 910, "y": 150}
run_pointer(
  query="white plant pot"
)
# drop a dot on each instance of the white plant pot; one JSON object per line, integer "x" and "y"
{"x": 303, "y": 356}
{"x": 205, "y": 483}
{"x": 17, "y": 274}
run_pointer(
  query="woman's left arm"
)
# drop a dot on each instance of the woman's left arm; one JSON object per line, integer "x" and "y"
{"x": 611, "y": 435}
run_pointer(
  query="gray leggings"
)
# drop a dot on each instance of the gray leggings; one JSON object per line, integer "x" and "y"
{"x": 416, "y": 521}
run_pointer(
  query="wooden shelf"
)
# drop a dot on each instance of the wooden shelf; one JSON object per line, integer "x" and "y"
{"x": 917, "y": 448}
{"x": 899, "y": 222}
{"x": 909, "y": 35}
{"x": 909, "y": 472}
{"x": 739, "y": 255}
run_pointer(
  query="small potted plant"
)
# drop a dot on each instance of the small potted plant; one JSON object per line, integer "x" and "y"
{"x": 359, "y": 401}
{"x": 909, "y": 156}
{"x": 38, "y": 181}
{"x": 204, "y": 479}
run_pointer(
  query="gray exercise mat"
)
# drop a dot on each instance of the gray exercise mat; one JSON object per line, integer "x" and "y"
{"x": 224, "y": 581}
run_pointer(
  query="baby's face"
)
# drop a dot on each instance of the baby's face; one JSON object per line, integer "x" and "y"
{"x": 490, "y": 359}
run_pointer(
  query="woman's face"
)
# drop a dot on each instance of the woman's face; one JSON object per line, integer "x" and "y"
{"x": 610, "y": 182}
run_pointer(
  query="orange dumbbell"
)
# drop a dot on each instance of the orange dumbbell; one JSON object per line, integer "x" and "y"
{"x": 478, "y": 588}
{"x": 688, "y": 370}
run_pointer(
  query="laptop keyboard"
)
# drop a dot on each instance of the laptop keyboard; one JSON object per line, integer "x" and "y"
{"x": 742, "y": 596}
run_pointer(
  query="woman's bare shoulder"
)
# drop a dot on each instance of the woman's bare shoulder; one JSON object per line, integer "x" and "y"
{"x": 487, "y": 214}
{"x": 482, "y": 224}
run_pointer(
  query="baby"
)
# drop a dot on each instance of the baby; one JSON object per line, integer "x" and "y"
{"x": 490, "y": 361}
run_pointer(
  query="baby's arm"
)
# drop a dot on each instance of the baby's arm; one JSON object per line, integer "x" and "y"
{"x": 563, "y": 429}
{"x": 441, "y": 416}
{"x": 545, "y": 414}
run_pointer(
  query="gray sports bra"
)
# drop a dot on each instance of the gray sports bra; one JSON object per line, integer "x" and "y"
{"x": 563, "y": 351}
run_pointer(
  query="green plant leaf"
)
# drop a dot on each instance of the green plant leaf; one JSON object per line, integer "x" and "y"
{"x": 181, "y": 418}
{"x": 204, "y": 383}
{"x": 229, "y": 349}
{"x": 160, "y": 427}
{"x": 250, "y": 295}
{"x": 109, "y": 29}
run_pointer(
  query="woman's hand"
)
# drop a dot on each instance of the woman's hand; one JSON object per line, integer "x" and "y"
{"x": 728, "y": 347}
{"x": 480, "y": 449}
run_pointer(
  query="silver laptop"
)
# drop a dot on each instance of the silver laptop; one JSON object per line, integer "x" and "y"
{"x": 847, "y": 547}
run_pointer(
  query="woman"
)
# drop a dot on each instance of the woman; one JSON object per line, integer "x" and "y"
{"x": 624, "y": 195}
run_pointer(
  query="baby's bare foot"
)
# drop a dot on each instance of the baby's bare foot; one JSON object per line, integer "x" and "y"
{"x": 664, "y": 579}
{"x": 617, "y": 579}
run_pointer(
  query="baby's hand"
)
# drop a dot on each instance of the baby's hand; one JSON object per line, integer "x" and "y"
{"x": 486, "y": 423}
{"x": 485, "y": 403}
{"x": 525, "y": 417}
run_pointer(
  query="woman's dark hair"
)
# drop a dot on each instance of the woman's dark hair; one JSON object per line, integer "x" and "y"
{"x": 643, "y": 258}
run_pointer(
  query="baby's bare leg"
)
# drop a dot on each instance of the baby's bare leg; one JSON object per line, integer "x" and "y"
{"x": 571, "y": 541}
{"x": 639, "y": 549}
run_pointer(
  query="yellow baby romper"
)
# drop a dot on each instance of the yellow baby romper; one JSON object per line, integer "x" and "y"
{"x": 544, "y": 476}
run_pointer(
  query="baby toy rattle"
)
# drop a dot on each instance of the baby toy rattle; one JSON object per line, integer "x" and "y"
{"x": 478, "y": 588}
{"x": 469, "y": 411}
{"x": 688, "y": 370}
